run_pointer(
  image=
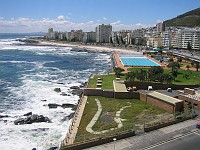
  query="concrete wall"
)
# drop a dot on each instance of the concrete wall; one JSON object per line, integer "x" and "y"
{"x": 98, "y": 92}
{"x": 93, "y": 92}
{"x": 126, "y": 95}
{"x": 97, "y": 141}
{"x": 157, "y": 86}
{"x": 111, "y": 93}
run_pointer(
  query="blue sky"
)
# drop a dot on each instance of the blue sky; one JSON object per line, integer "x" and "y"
{"x": 39, "y": 15}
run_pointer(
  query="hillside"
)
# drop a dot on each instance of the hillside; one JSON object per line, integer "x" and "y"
{"x": 188, "y": 19}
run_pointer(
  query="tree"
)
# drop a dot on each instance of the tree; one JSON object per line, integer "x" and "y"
{"x": 130, "y": 76}
{"x": 179, "y": 59}
{"x": 154, "y": 73}
{"x": 174, "y": 66}
{"x": 197, "y": 66}
{"x": 118, "y": 71}
{"x": 188, "y": 67}
{"x": 189, "y": 46}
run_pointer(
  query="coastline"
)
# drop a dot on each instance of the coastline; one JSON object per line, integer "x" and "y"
{"x": 78, "y": 45}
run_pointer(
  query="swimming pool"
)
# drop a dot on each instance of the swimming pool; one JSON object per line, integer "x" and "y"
{"x": 130, "y": 61}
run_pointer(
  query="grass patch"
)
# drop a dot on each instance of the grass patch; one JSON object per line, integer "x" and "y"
{"x": 138, "y": 113}
{"x": 107, "y": 82}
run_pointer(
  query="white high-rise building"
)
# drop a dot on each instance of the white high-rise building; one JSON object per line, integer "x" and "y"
{"x": 103, "y": 33}
{"x": 191, "y": 36}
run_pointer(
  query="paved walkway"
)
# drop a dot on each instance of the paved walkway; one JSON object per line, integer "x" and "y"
{"x": 146, "y": 139}
{"x": 70, "y": 137}
{"x": 119, "y": 86}
{"x": 117, "y": 119}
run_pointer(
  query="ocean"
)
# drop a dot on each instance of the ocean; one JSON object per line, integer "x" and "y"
{"x": 28, "y": 77}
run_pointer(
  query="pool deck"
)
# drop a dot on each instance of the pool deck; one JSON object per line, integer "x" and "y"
{"x": 120, "y": 64}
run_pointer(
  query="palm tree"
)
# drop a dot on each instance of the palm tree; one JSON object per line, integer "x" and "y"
{"x": 197, "y": 66}
{"x": 130, "y": 76}
{"x": 118, "y": 71}
{"x": 188, "y": 67}
{"x": 174, "y": 66}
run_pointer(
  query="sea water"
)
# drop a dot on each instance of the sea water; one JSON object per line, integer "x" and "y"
{"x": 28, "y": 77}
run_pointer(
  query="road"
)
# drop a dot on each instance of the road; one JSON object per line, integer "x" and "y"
{"x": 184, "y": 142}
{"x": 149, "y": 139}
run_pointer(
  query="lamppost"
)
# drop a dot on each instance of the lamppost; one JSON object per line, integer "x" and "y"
{"x": 114, "y": 139}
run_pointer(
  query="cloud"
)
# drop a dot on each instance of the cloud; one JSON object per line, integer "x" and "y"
{"x": 116, "y": 23}
{"x": 61, "y": 18}
{"x": 158, "y": 21}
{"x": 25, "y": 25}
{"x": 104, "y": 18}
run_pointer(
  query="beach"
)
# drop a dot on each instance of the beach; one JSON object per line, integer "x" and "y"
{"x": 87, "y": 47}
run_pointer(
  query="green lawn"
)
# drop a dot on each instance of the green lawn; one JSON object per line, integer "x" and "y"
{"x": 107, "y": 81}
{"x": 138, "y": 113}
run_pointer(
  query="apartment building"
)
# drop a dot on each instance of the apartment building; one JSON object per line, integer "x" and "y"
{"x": 103, "y": 33}
{"x": 89, "y": 37}
{"x": 191, "y": 36}
{"x": 160, "y": 27}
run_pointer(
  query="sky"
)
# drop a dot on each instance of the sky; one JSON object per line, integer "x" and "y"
{"x": 25, "y": 16}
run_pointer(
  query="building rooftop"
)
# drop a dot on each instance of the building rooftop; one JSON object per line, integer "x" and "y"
{"x": 164, "y": 97}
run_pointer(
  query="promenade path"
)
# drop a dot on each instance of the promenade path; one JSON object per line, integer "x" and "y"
{"x": 141, "y": 141}
{"x": 70, "y": 137}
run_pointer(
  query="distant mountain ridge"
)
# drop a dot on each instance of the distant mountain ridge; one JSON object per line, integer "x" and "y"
{"x": 188, "y": 19}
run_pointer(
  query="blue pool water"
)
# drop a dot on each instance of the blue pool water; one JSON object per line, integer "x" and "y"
{"x": 137, "y": 61}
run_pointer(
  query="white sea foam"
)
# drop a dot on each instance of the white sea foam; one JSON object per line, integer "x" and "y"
{"x": 37, "y": 86}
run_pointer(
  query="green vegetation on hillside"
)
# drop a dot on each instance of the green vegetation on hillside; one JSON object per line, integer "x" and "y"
{"x": 189, "y": 19}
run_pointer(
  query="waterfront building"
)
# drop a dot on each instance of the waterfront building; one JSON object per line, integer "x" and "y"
{"x": 103, "y": 33}
{"x": 75, "y": 36}
{"x": 89, "y": 37}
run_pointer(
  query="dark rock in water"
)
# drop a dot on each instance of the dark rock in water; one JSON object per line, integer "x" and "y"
{"x": 67, "y": 105}
{"x": 57, "y": 90}
{"x": 43, "y": 100}
{"x": 70, "y": 116}
{"x": 28, "y": 114}
{"x": 60, "y": 83}
{"x": 52, "y": 105}
{"x": 53, "y": 148}
{"x": 31, "y": 119}
{"x": 64, "y": 94}
{"x": 64, "y": 118}
{"x": 4, "y": 116}
{"x": 74, "y": 87}
{"x": 34, "y": 149}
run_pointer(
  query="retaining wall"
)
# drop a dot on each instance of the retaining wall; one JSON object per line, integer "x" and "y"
{"x": 158, "y": 86}
{"x": 97, "y": 141}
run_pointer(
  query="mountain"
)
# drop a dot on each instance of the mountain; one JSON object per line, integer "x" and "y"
{"x": 188, "y": 19}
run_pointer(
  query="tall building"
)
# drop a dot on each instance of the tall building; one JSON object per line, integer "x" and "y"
{"x": 89, "y": 37}
{"x": 103, "y": 33}
{"x": 190, "y": 36}
{"x": 160, "y": 27}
